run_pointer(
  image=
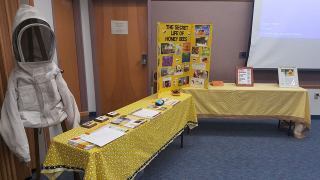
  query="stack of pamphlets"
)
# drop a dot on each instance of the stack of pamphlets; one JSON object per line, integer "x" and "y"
{"x": 170, "y": 102}
{"x": 127, "y": 121}
{"x": 146, "y": 113}
{"x": 79, "y": 142}
{"x": 105, "y": 135}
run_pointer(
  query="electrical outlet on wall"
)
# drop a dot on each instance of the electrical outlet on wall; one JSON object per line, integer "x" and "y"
{"x": 316, "y": 95}
{"x": 242, "y": 55}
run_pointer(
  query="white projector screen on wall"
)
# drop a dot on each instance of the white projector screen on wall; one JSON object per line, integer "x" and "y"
{"x": 285, "y": 33}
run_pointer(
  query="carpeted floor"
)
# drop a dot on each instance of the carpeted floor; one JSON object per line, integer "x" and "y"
{"x": 239, "y": 150}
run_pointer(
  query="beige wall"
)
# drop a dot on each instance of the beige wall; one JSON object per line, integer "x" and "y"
{"x": 231, "y": 30}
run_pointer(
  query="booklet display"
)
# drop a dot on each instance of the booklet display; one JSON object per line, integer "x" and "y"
{"x": 112, "y": 114}
{"x": 170, "y": 102}
{"x": 89, "y": 124}
{"x": 101, "y": 119}
{"x": 157, "y": 107}
{"x": 127, "y": 121}
{"x": 79, "y": 142}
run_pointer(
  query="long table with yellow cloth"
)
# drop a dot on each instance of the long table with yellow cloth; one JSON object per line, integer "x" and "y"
{"x": 124, "y": 157}
{"x": 263, "y": 101}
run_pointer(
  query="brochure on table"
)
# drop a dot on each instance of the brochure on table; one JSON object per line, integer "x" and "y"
{"x": 183, "y": 55}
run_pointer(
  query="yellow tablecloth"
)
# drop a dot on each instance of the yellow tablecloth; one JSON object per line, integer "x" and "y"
{"x": 127, "y": 155}
{"x": 263, "y": 101}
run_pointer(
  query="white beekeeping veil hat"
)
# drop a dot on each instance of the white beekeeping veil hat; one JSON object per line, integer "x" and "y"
{"x": 32, "y": 37}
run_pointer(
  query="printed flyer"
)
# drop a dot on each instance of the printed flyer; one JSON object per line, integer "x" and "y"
{"x": 184, "y": 55}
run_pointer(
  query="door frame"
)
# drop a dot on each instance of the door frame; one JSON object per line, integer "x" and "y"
{"x": 95, "y": 53}
{"x": 80, "y": 53}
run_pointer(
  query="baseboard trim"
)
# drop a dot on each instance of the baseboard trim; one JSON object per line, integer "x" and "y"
{"x": 315, "y": 117}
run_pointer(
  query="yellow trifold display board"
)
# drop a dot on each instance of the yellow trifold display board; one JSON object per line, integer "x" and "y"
{"x": 183, "y": 55}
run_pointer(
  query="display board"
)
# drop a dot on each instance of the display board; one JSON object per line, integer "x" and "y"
{"x": 183, "y": 55}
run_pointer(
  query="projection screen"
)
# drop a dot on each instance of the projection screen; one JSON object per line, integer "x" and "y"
{"x": 285, "y": 33}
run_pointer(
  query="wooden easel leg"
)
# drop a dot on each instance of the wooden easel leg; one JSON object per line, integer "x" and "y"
{"x": 36, "y": 142}
{"x": 64, "y": 125}
{"x": 47, "y": 136}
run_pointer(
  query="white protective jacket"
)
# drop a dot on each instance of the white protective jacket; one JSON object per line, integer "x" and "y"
{"x": 37, "y": 95}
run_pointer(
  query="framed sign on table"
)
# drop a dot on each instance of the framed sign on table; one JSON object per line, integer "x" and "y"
{"x": 244, "y": 76}
{"x": 288, "y": 77}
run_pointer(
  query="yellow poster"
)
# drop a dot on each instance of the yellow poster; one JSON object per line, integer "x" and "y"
{"x": 183, "y": 55}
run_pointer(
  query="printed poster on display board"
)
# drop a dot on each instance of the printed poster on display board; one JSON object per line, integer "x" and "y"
{"x": 183, "y": 55}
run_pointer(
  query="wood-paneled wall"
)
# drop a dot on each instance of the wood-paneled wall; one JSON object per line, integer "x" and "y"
{"x": 10, "y": 167}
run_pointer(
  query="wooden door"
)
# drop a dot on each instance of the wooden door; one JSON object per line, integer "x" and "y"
{"x": 66, "y": 43}
{"x": 122, "y": 78}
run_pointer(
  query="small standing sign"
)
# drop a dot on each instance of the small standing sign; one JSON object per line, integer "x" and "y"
{"x": 288, "y": 77}
{"x": 244, "y": 76}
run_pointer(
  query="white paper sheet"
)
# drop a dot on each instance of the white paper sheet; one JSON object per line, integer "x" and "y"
{"x": 146, "y": 113}
{"x": 103, "y": 136}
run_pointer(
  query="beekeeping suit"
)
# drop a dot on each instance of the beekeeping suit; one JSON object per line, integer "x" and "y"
{"x": 37, "y": 96}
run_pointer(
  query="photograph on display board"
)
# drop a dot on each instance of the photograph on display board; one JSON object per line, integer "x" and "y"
{"x": 179, "y": 69}
{"x": 174, "y": 81}
{"x": 194, "y": 59}
{"x": 195, "y": 52}
{"x": 186, "y": 47}
{"x": 201, "y": 41}
{"x": 167, "y": 48}
{"x": 177, "y": 60}
{"x": 205, "y": 51}
{"x": 178, "y": 50}
{"x": 200, "y": 74}
{"x": 185, "y": 57}
{"x": 195, "y": 82}
{"x": 166, "y": 82}
{"x": 201, "y": 66}
{"x": 183, "y": 81}
{"x": 202, "y": 30}
{"x": 167, "y": 61}
{"x": 186, "y": 68}
{"x": 167, "y": 71}
{"x": 204, "y": 59}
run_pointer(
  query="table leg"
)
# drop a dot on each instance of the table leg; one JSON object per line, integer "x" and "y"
{"x": 188, "y": 130}
{"x": 181, "y": 139}
{"x": 76, "y": 176}
{"x": 279, "y": 124}
{"x": 290, "y": 124}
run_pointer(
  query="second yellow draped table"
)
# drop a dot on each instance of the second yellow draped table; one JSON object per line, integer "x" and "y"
{"x": 263, "y": 101}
